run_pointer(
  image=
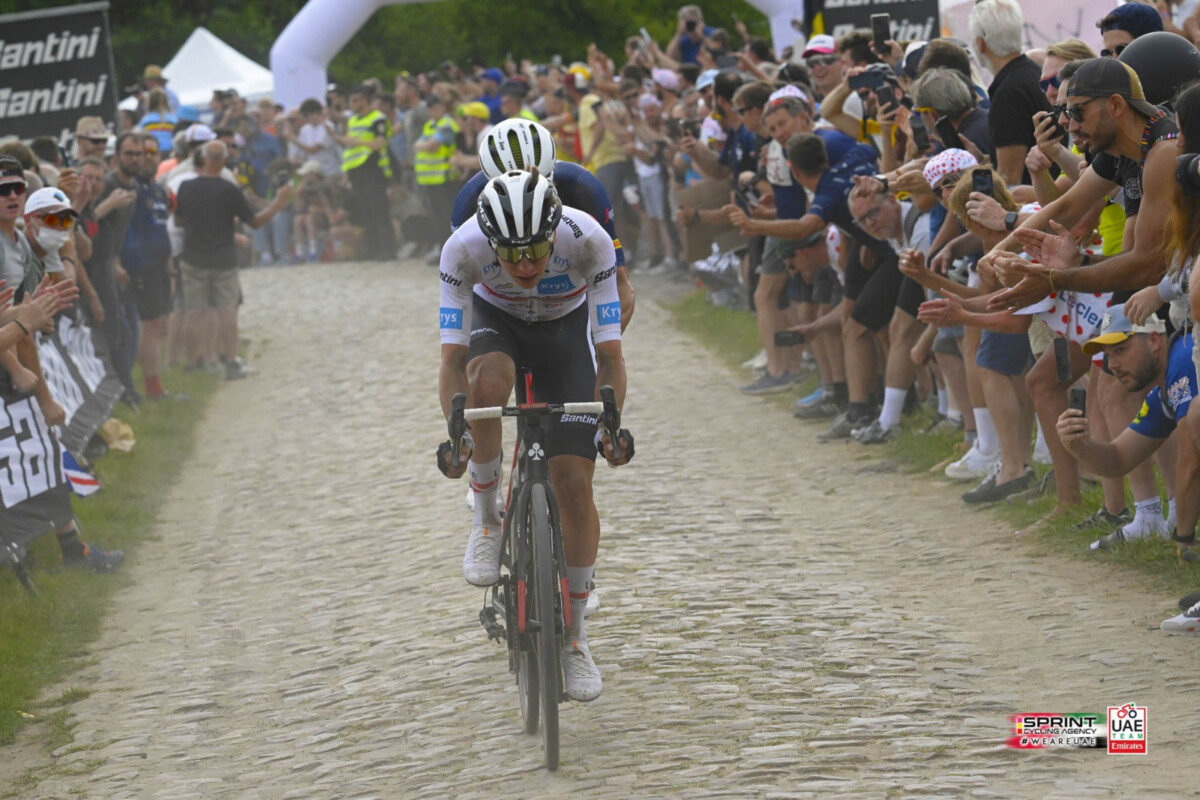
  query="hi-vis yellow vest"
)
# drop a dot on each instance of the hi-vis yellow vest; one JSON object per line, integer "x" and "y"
{"x": 433, "y": 166}
{"x": 361, "y": 128}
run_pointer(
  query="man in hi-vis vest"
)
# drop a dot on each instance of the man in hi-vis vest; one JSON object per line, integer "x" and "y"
{"x": 438, "y": 142}
{"x": 365, "y": 162}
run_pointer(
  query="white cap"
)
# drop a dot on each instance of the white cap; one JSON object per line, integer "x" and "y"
{"x": 200, "y": 133}
{"x": 48, "y": 199}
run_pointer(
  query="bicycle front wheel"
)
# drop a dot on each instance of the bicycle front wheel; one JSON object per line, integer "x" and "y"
{"x": 546, "y": 636}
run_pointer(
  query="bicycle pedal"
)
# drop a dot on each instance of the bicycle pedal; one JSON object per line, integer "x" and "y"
{"x": 487, "y": 618}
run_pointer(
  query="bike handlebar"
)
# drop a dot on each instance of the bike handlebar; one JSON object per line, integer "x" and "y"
{"x": 534, "y": 410}
{"x": 460, "y": 415}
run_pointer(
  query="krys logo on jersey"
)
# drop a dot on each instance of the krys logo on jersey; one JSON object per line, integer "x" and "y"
{"x": 555, "y": 285}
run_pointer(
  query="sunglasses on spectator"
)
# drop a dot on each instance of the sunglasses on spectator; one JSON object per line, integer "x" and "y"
{"x": 1046, "y": 83}
{"x": 1115, "y": 52}
{"x": 826, "y": 60}
{"x": 62, "y": 222}
{"x": 948, "y": 184}
{"x": 96, "y": 139}
{"x": 1076, "y": 112}
{"x": 151, "y": 151}
{"x": 532, "y": 251}
{"x": 9, "y": 189}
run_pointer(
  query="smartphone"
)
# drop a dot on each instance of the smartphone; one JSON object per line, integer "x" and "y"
{"x": 920, "y": 134}
{"x": 886, "y": 96}
{"x": 881, "y": 30}
{"x": 866, "y": 80}
{"x": 981, "y": 181}
{"x": 66, "y": 159}
{"x": 645, "y": 35}
{"x": 1062, "y": 359}
{"x": 690, "y": 26}
{"x": 556, "y": 60}
{"x": 788, "y": 338}
{"x": 948, "y": 134}
{"x": 1079, "y": 400}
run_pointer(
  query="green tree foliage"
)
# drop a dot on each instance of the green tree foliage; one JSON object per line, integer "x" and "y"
{"x": 414, "y": 37}
{"x": 420, "y": 36}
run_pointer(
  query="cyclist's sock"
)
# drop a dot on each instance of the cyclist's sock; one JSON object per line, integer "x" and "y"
{"x": 485, "y": 482}
{"x": 579, "y": 585}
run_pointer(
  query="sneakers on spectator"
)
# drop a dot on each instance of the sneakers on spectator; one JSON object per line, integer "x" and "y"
{"x": 95, "y": 559}
{"x": 1103, "y": 518}
{"x": 973, "y": 466}
{"x": 237, "y": 369}
{"x": 1189, "y": 600}
{"x": 874, "y": 433}
{"x": 769, "y": 384}
{"x": 1187, "y": 622}
{"x": 943, "y": 425}
{"x": 406, "y": 250}
{"x": 812, "y": 399}
{"x": 581, "y": 676}
{"x": 758, "y": 362}
{"x": 1144, "y": 527}
{"x": 989, "y": 491}
{"x": 481, "y": 564}
{"x": 841, "y": 428}
{"x": 825, "y": 409}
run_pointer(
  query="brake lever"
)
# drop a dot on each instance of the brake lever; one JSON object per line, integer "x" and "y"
{"x": 457, "y": 425}
{"x": 611, "y": 419}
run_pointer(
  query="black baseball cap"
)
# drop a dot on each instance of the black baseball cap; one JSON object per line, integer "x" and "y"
{"x": 11, "y": 170}
{"x": 1103, "y": 77}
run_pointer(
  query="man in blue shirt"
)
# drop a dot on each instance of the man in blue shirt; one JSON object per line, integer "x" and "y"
{"x": 1140, "y": 356}
{"x": 490, "y": 80}
{"x": 689, "y": 35}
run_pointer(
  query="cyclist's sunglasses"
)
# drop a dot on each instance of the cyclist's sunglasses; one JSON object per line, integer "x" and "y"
{"x": 1046, "y": 83}
{"x": 62, "y": 222}
{"x": 1115, "y": 52}
{"x": 532, "y": 251}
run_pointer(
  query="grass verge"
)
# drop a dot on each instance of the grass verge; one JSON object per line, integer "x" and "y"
{"x": 733, "y": 337}
{"x": 42, "y": 640}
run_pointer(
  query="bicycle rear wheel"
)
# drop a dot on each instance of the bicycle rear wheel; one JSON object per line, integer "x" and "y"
{"x": 546, "y": 636}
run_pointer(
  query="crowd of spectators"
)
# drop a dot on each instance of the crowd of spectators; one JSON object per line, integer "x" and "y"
{"x": 1001, "y": 233}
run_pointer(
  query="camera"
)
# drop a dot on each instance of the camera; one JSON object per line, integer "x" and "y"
{"x": 690, "y": 26}
{"x": 788, "y": 338}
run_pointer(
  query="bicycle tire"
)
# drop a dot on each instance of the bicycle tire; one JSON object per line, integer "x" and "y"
{"x": 528, "y": 687}
{"x": 546, "y": 640}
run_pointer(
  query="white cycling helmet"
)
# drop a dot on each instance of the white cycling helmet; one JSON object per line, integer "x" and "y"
{"x": 517, "y": 144}
{"x": 518, "y": 208}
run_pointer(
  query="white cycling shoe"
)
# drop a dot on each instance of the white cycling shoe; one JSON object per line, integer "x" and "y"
{"x": 580, "y": 672}
{"x": 481, "y": 564}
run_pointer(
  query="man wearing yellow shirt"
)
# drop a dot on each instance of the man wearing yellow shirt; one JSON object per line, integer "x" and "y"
{"x": 604, "y": 130}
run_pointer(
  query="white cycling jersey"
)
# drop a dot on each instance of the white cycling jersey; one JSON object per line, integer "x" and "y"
{"x": 582, "y": 268}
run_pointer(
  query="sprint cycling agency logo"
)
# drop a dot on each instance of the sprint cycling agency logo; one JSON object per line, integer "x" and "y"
{"x": 1122, "y": 731}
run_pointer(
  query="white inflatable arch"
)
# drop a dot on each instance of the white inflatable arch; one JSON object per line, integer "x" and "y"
{"x": 303, "y": 51}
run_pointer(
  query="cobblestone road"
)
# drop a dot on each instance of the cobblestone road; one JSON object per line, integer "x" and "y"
{"x": 778, "y": 619}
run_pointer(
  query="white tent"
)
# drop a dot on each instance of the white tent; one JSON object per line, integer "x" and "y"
{"x": 205, "y": 63}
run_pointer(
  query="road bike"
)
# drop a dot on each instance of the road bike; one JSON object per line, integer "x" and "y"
{"x": 529, "y": 607}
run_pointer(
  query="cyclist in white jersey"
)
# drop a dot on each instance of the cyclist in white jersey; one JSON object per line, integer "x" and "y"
{"x": 531, "y": 283}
